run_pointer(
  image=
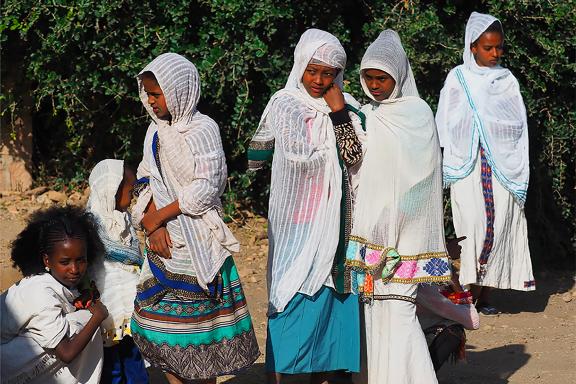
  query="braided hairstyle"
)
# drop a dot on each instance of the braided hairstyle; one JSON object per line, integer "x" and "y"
{"x": 46, "y": 228}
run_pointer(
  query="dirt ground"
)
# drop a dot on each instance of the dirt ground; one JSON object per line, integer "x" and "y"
{"x": 533, "y": 341}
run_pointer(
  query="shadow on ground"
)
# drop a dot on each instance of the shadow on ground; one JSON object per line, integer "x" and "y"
{"x": 491, "y": 366}
{"x": 547, "y": 284}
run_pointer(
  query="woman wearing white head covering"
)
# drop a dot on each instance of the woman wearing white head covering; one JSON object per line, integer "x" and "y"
{"x": 116, "y": 274}
{"x": 314, "y": 141}
{"x": 397, "y": 237}
{"x": 482, "y": 126}
{"x": 191, "y": 318}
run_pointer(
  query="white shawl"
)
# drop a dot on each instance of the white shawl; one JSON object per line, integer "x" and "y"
{"x": 483, "y": 106}
{"x": 193, "y": 171}
{"x": 306, "y": 186}
{"x": 398, "y": 213}
{"x": 104, "y": 182}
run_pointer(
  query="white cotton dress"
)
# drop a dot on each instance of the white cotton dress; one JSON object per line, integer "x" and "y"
{"x": 37, "y": 313}
{"x": 481, "y": 107}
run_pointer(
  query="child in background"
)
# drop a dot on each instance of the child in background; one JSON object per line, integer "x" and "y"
{"x": 482, "y": 127}
{"x": 444, "y": 312}
{"x": 117, "y": 272}
{"x": 44, "y": 338}
{"x": 191, "y": 318}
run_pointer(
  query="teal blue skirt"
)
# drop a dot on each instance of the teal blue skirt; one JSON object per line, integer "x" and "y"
{"x": 317, "y": 333}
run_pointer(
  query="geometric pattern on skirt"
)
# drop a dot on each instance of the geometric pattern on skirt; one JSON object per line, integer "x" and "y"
{"x": 198, "y": 338}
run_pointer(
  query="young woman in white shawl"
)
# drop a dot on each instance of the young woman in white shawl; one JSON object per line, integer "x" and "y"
{"x": 191, "y": 318}
{"x": 397, "y": 237}
{"x": 482, "y": 126}
{"x": 314, "y": 139}
{"x": 117, "y": 272}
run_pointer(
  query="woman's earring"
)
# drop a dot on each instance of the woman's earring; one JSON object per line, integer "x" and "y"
{"x": 47, "y": 269}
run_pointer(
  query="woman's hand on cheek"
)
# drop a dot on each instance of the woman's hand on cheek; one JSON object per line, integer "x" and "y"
{"x": 160, "y": 242}
{"x": 334, "y": 98}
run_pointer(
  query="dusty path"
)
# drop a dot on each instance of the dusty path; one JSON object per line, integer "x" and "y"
{"x": 534, "y": 342}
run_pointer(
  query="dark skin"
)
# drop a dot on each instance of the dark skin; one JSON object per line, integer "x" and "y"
{"x": 153, "y": 222}
{"x": 379, "y": 83}
{"x": 318, "y": 80}
{"x": 124, "y": 193}
{"x": 68, "y": 264}
{"x": 488, "y": 49}
{"x": 156, "y": 98}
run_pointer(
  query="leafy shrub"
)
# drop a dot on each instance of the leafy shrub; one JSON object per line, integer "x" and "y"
{"x": 79, "y": 59}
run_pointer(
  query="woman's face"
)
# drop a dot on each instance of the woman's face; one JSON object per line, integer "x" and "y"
{"x": 488, "y": 49}
{"x": 379, "y": 83}
{"x": 68, "y": 261}
{"x": 318, "y": 78}
{"x": 156, "y": 98}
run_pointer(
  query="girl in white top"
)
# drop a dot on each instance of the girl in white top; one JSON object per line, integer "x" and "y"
{"x": 44, "y": 338}
{"x": 397, "y": 238}
{"x": 482, "y": 127}
{"x": 314, "y": 140}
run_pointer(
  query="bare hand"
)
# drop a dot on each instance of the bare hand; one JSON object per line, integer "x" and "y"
{"x": 453, "y": 248}
{"x": 334, "y": 98}
{"x": 98, "y": 310}
{"x": 151, "y": 221}
{"x": 160, "y": 242}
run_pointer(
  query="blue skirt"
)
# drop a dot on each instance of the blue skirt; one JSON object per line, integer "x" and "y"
{"x": 317, "y": 333}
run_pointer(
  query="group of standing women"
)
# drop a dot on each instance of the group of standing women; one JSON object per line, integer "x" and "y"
{"x": 355, "y": 223}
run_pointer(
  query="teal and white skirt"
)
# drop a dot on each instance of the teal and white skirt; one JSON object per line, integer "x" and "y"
{"x": 191, "y": 333}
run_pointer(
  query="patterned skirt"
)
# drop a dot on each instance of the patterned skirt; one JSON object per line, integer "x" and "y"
{"x": 200, "y": 336}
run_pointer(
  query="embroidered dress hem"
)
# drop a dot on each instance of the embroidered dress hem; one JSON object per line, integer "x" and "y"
{"x": 200, "y": 337}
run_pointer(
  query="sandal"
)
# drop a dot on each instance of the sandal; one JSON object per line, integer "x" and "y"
{"x": 487, "y": 310}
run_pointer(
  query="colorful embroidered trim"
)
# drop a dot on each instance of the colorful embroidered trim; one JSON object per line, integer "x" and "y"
{"x": 490, "y": 215}
{"x": 182, "y": 286}
{"x": 529, "y": 284}
{"x": 364, "y": 260}
{"x": 395, "y": 297}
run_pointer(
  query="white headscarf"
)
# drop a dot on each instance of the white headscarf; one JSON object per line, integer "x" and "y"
{"x": 387, "y": 54}
{"x": 306, "y": 187}
{"x": 483, "y": 106}
{"x": 104, "y": 182}
{"x": 399, "y": 201}
{"x": 194, "y": 176}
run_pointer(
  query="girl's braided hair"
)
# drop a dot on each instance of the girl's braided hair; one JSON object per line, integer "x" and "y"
{"x": 47, "y": 227}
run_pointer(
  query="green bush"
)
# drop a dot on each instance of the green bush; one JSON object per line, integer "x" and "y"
{"x": 78, "y": 60}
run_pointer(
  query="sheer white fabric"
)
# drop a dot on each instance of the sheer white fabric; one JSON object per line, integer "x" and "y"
{"x": 36, "y": 314}
{"x": 306, "y": 186}
{"x": 483, "y": 106}
{"x": 434, "y": 308}
{"x": 509, "y": 265}
{"x": 104, "y": 181}
{"x": 193, "y": 171}
{"x": 399, "y": 201}
{"x": 117, "y": 272}
{"x": 399, "y": 207}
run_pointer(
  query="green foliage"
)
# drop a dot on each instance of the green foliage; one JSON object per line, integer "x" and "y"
{"x": 80, "y": 58}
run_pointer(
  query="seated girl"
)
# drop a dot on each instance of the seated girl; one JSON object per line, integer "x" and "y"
{"x": 44, "y": 338}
